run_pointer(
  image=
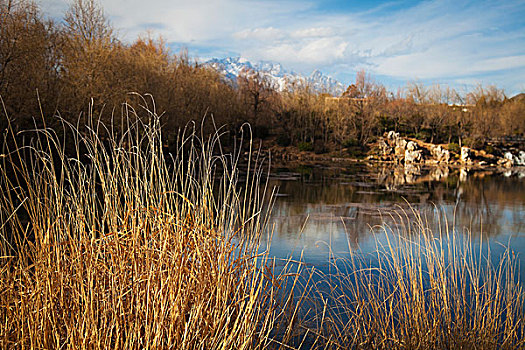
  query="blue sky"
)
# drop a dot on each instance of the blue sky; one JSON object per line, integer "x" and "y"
{"x": 456, "y": 43}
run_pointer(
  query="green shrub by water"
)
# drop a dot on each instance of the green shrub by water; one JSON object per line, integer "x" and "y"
{"x": 454, "y": 147}
{"x": 305, "y": 146}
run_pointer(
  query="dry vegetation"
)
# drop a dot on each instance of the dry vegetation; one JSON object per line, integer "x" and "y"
{"x": 60, "y": 68}
{"x": 127, "y": 251}
{"x": 119, "y": 248}
{"x": 109, "y": 241}
{"x": 423, "y": 290}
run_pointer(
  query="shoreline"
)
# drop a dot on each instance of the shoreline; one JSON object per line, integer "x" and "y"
{"x": 397, "y": 151}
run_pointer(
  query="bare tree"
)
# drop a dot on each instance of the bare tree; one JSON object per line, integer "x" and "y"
{"x": 87, "y": 23}
{"x": 257, "y": 90}
{"x": 367, "y": 100}
{"x": 29, "y": 52}
{"x": 417, "y": 92}
{"x": 89, "y": 57}
{"x": 485, "y": 114}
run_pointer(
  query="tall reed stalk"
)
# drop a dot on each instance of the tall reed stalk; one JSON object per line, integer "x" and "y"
{"x": 421, "y": 290}
{"x": 115, "y": 247}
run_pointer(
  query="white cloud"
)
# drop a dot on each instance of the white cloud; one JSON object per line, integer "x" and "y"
{"x": 186, "y": 21}
{"x": 263, "y": 34}
{"x": 434, "y": 39}
{"x": 500, "y": 63}
{"x": 324, "y": 50}
{"x": 319, "y": 32}
{"x": 314, "y": 52}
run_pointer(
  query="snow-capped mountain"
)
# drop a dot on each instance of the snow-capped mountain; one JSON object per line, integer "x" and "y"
{"x": 283, "y": 79}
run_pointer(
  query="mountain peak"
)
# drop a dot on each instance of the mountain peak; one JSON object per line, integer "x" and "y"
{"x": 316, "y": 73}
{"x": 231, "y": 67}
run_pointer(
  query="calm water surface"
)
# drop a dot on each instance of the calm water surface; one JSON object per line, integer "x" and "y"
{"x": 321, "y": 207}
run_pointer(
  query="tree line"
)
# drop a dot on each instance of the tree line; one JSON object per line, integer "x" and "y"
{"x": 78, "y": 69}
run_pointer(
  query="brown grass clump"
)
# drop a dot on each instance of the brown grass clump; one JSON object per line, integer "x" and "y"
{"x": 117, "y": 248}
{"x": 422, "y": 290}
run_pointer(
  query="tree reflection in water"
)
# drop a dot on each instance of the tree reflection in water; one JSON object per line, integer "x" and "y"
{"x": 336, "y": 207}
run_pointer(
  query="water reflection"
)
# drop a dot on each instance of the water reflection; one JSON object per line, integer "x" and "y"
{"x": 335, "y": 208}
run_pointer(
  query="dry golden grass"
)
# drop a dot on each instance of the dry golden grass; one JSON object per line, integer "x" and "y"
{"x": 116, "y": 247}
{"x": 422, "y": 290}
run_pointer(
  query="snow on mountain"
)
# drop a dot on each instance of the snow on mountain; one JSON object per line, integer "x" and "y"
{"x": 321, "y": 82}
{"x": 283, "y": 79}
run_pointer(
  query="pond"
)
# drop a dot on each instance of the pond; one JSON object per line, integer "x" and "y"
{"x": 325, "y": 211}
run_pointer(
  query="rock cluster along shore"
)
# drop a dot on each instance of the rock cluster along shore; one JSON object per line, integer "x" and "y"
{"x": 394, "y": 148}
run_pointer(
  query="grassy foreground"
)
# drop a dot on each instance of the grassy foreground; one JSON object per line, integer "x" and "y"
{"x": 118, "y": 248}
{"x": 423, "y": 290}
{"x": 124, "y": 250}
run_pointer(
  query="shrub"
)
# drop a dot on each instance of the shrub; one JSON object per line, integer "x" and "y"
{"x": 305, "y": 146}
{"x": 356, "y": 152}
{"x": 304, "y": 169}
{"x": 454, "y": 147}
{"x": 473, "y": 142}
{"x": 490, "y": 149}
{"x": 386, "y": 123}
{"x": 351, "y": 142}
{"x": 423, "y": 136}
{"x": 320, "y": 147}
